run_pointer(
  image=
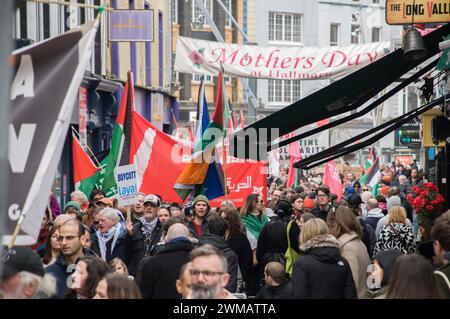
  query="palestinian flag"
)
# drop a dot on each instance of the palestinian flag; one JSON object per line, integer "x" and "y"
{"x": 84, "y": 170}
{"x": 120, "y": 149}
{"x": 372, "y": 174}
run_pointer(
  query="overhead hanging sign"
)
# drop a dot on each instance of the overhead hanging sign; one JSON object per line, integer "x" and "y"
{"x": 274, "y": 62}
{"x": 417, "y": 11}
{"x": 131, "y": 25}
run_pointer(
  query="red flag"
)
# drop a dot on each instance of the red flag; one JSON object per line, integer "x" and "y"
{"x": 83, "y": 167}
{"x": 294, "y": 156}
{"x": 191, "y": 132}
{"x": 332, "y": 179}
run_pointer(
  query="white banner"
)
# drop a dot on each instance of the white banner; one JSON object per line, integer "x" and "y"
{"x": 126, "y": 184}
{"x": 274, "y": 62}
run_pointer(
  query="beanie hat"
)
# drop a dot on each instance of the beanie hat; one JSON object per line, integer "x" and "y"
{"x": 354, "y": 200}
{"x": 308, "y": 203}
{"x": 284, "y": 208}
{"x": 73, "y": 204}
{"x": 201, "y": 198}
{"x": 393, "y": 201}
{"x": 384, "y": 190}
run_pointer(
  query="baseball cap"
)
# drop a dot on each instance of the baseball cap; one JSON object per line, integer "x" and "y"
{"x": 153, "y": 200}
{"x": 73, "y": 204}
{"x": 106, "y": 201}
{"x": 354, "y": 200}
{"x": 19, "y": 259}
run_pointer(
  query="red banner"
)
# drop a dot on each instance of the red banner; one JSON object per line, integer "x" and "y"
{"x": 244, "y": 179}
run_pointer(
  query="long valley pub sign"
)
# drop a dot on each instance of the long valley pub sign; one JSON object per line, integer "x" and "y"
{"x": 274, "y": 62}
{"x": 417, "y": 11}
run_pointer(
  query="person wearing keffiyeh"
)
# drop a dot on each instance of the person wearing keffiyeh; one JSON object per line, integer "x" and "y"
{"x": 108, "y": 241}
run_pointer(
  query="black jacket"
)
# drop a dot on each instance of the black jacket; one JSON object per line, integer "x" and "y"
{"x": 193, "y": 230}
{"x": 241, "y": 247}
{"x": 156, "y": 275}
{"x": 272, "y": 241}
{"x": 321, "y": 273}
{"x": 318, "y": 212}
{"x": 232, "y": 259}
{"x": 283, "y": 291}
{"x": 119, "y": 248}
{"x": 136, "y": 247}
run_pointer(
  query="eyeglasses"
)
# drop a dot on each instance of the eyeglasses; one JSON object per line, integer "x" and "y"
{"x": 205, "y": 273}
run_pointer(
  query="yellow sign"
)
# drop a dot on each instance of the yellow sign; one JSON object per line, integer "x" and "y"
{"x": 427, "y": 117}
{"x": 417, "y": 11}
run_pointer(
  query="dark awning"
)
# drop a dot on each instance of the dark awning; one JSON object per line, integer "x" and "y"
{"x": 339, "y": 97}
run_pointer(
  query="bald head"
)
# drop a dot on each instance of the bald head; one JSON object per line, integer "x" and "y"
{"x": 277, "y": 271}
{"x": 177, "y": 230}
{"x": 372, "y": 203}
{"x": 61, "y": 219}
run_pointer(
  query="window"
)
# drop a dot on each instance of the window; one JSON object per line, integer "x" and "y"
{"x": 284, "y": 91}
{"x": 285, "y": 27}
{"x": 376, "y": 34}
{"x": 355, "y": 34}
{"x": 198, "y": 78}
{"x": 196, "y": 11}
{"x": 227, "y": 4}
{"x": 334, "y": 34}
{"x": 376, "y": 1}
{"x": 174, "y": 11}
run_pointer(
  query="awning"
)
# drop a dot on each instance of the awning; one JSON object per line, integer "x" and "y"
{"x": 339, "y": 97}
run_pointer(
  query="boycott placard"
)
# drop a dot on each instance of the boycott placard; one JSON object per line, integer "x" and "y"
{"x": 126, "y": 184}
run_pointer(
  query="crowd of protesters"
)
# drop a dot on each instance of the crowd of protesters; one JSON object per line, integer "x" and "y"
{"x": 367, "y": 245}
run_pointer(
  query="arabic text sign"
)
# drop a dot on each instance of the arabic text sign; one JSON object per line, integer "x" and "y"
{"x": 310, "y": 63}
{"x": 126, "y": 184}
{"x": 423, "y": 11}
{"x": 131, "y": 25}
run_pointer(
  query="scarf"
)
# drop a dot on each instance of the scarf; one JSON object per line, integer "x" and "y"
{"x": 103, "y": 239}
{"x": 254, "y": 224}
{"x": 148, "y": 227}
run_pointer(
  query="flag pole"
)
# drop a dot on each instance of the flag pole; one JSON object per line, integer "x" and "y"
{"x": 87, "y": 146}
{"x": 224, "y": 161}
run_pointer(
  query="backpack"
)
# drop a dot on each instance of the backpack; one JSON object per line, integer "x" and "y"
{"x": 291, "y": 255}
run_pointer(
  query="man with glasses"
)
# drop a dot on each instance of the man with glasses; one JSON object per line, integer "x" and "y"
{"x": 71, "y": 238}
{"x": 209, "y": 274}
{"x": 323, "y": 199}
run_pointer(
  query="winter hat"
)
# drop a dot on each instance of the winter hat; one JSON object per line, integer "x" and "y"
{"x": 308, "y": 203}
{"x": 73, "y": 204}
{"x": 387, "y": 259}
{"x": 354, "y": 200}
{"x": 284, "y": 208}
{"x": 384, "y": 190}
{"x": 393, "y": 201}
{"x": 201, "y": 198}
{"x": 357, "y": 183}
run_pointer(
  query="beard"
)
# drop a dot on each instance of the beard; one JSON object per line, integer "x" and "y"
{"x": 200, "y": 291}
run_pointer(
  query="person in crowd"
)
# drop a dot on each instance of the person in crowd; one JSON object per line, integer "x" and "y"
{"x": 217, "y": 230}
{"x": 304, "y": 218}
{"x": 61, "y": 219}
{"x": 289, "y": 193}
{"x": 22, "y": 273}
{"x": 71, "y": 235}
{"x": 73, "y": 208}
{"x": 117, "y": 286}
{"x": 380, "y": 274}
{"x": 308, "y": 205}
{"x": 321, "y": 272}
{"x": 396, "y": 234}
{"x": 368, "y": 233}
{"x": 323, "y": 195}
{"x": 297, "y": 204}
{"x": 184, "y": 281}
{"x": 104, "y": 202}
{"x": 365, "y": 196}
{"x": 348, "y": 231}
{"x": 52, "y": 247}
{"x": 118, "y": 267}
{"x": 175, "y": 210}
{"x": 238, "y": 242}
{"x": 382, "y": 204}
{"x": 357, "y": 187}
{"x": 201, "y": 209}
{"x": 95, "y": 196}
{"x": 415, "y": 179}
{"x": 44, "y": 233}
{"x": 109, "y": 241}
{"x": 374, "y": 213}
{"x": 274, "y": 198}
{"x": 278, "y": 285}
{"x": 86, "y": 240}
{"x": 80, "y": 197}
{"x": 254, "y": 219}
{"x": 209, "y": 274}
{"x": 412, "y": 278}
{"x": 89, "y": 271}
{"x": 440, "y": 233}
{"x": 391, "y": 202}
{"x": 156, "y": 275}
{"x": 272, "y": 241}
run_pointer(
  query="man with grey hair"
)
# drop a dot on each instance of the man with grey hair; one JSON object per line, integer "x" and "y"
{"x": 157, "y": 275}
{"x": 209, "y": 274}
{"x": 374, "y": 213}
{"x": 108, "y": 241}
{"x": 22, "y": 274}
{"x": 80, "y": 197}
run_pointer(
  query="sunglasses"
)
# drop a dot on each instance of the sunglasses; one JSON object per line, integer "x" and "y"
{"x": 365, "y": 189}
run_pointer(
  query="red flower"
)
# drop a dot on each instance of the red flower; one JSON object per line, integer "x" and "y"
{"x": 196, "y": 57}
{"x": 424, "y": 193}
{"x": 430, "y": 207}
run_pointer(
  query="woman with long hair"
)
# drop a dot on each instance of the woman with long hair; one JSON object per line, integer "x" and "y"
{"x": 52, "y": 247}
{"x": 89, "y": 271}
{"x": 413, "y": 278}
{"x": 116, "y": 286}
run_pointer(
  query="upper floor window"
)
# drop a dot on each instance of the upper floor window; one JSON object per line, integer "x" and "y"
{"x": 284, "y": 91}
{"x": 196, "y": 11}
{"x": 174, "y": 11}
{"x": 285, "y": 27}
{"x": 334, "y": 34}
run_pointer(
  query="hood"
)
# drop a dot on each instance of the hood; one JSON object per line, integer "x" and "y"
{"x": 215, "y": 240}
{"x": 375, "y": 212}
{"x": 325, "y": 248}
{"x": 345, "y": 238}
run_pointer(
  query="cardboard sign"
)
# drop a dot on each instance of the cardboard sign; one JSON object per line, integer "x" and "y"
{"x": 126, "y": 184}
{"x": 417, "y": 11}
